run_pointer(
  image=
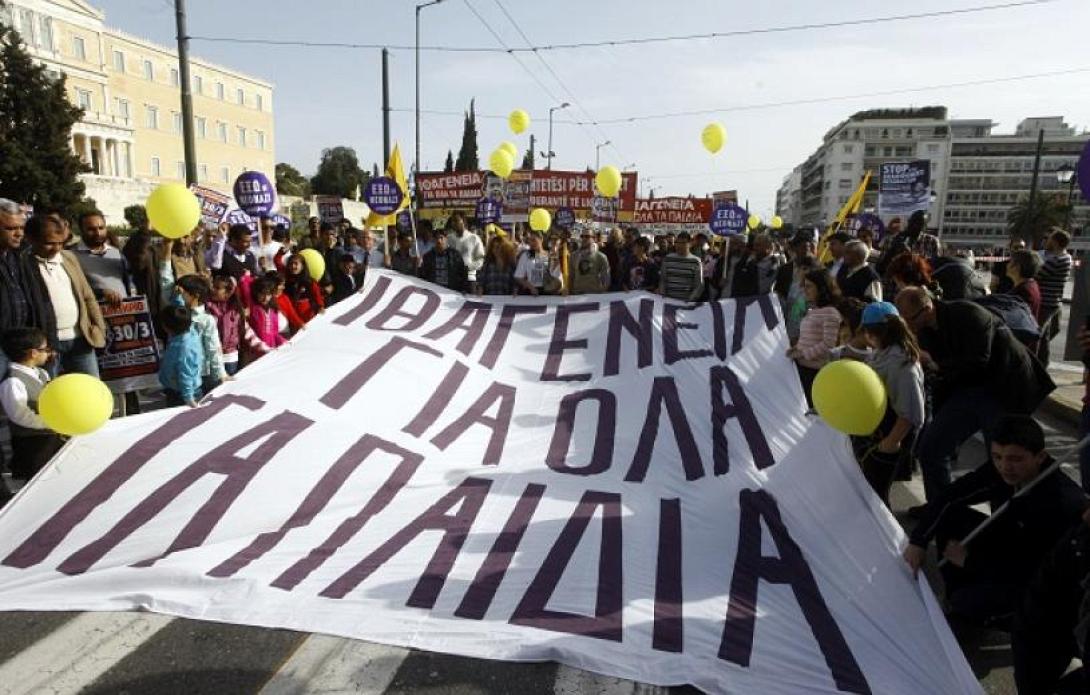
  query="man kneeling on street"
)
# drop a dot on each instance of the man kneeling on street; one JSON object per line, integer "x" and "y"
{"x": 986, "y": 578}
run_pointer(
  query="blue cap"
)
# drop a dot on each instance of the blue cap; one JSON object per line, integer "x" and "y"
{"x": 876, "y": 312}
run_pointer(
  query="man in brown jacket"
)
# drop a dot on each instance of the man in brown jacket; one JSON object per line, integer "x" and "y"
{"x": 63, "y": 304}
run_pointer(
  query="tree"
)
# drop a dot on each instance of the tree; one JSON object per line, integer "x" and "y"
{"x": 339, "y": 173}
{"x": 528, "y": 159}
{"x": 1033, "y": 219}
{"x": 290, "y": 182}
{"x": 467, "y": 155}
{"x": 37, "y": 165}
{"x": 449, "y": 166}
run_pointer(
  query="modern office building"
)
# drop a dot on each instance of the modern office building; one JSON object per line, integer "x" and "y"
{"x": 131, "y": 133}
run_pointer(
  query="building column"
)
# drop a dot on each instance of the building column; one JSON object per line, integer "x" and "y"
{"x": 130, "y": 169}
{"x": 87, "y": 159}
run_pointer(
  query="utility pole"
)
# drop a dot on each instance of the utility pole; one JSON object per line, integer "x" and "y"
{"x": 386, "y": 108}
{"x": 1032, "y": 206}
{"x": 187, "y": 95}
{"x": 416, "y": 161}
{"x": 532, "y": 150}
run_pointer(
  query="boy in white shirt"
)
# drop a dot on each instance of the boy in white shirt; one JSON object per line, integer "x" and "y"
{"x": 32, "y": 442}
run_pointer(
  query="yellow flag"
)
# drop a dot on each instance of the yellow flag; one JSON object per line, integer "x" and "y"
{"x": 850, "y": 208}
{"x": 395, "y": 171}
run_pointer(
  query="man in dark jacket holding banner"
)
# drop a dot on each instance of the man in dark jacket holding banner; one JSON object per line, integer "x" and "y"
{"x": 1033, "y": 505}
{"x": 980, "y": 372}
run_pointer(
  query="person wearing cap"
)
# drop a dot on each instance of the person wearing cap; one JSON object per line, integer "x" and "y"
{"x": 443, "y": 265}
{"x": 682, "y": 275}
{"x": 896, "y": 359}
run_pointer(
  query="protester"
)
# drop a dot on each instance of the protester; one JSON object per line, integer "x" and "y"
{"x": 293, "y": 322}
{"x": 979, "y": 372}
{"x": 106, "y": 270}
{"x": 180, "y": 363}
{"x": 231, "y": 254}
{"x": 818, "y": 330}
{"x": 1001, "y": 283}
{"x": 313, "y": 239}
{"x": 914, "y": 239}
{"x": 33, "y": 443}
{"x": 590, "y": 273}
{"x": 616, "y": 253}
{"x": 366, "y": 254}
{"x": 467, "y": 245}
{"x": 16, "y": 310}
{"x": 194, "y": 291}
{"x": 640, "y": 271}
{"x": 270, "y": 248}
{"x": 789, "y": 281}
{"x": 866, "y": 235}
{"x": 1022, "y": 272}
{"x": 532, "y": 270}
{"x": 836, "y": 244}
{"x": 63, "y": 304}
{"x": 444, "y": 266}
{"x": 851, "y": 342}
{"x": 986, "y": 579}
{"x": 957, "y": 277}
{"x": 186, "y": 258}
{"x": 403, "y": 259}
{"x": 912, "y": 270}
{"x": 225, "y": 306}
{"x": 496, "y": 276}
{"x": 343, "y": 278}
{"x": 897, "y": 361}
{"x": 731, "y": 275}
{"x": 1052, "y": 277}
{"x": 766, "y": 263}
{"x": 259, "y": 297}
{"x": 857, "y": 278}
{"x": 681, "y": 275}
{"x": 302, "y": 290}
{"x": 143, "y": 261}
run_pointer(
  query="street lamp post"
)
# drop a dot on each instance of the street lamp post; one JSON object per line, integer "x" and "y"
{"x": 550, "y": 154}
{"x": 598, "y": 154}
{"x": 1066, "y": 174}
{"x": 416, "y": 161}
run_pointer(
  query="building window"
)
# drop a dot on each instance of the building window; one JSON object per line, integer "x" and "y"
{"x": 932, "y": 148}
{"x": 259, "y": 102}
{"x": 83, "y": 99}
{"x": 845, "y": 183}
{"x": 848, "y": 149}
{"x": 845, "y": 166}
{"x": 260, "y": 140}
{"x": 119, "y": 62}
{"x": 204, "y": 172}
{"x": 219, "y": 91}
{"x": 155, "y": 167}
{"x": 241, "y": 96}
{"x": 174, "y": 79}
{"x": 46, "y": 33}
{"x": 177, "y": 118}
{"x": 241, "y": 136}
{"x": 149, "y": 70}
{"x": 181, "y": 170}
{"x": 202, "y": 131}
{"x": 79, "y": 48}
{"x": 121, "y": 107}
{"x": 225, "y": 175}
{"x": 222, "y": 128}
{"x": 198, "y": 84}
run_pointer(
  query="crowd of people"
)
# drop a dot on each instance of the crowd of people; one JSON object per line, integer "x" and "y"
{"x": 956, "y": 356}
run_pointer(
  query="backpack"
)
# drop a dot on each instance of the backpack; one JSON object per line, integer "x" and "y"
{"x": 1015, "y": 315}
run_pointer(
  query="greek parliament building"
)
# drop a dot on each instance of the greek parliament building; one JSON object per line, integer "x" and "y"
{"x": 131, "y": 133}
{"x": 977, "y": 174}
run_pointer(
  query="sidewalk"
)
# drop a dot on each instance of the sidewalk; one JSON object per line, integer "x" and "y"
{"x": 1065, "y": 403}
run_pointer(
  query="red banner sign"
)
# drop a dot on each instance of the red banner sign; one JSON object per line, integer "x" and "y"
{"x": 458, "y": 190}
{"x": 673, "y": 210}
{"x": 547, "y": 189}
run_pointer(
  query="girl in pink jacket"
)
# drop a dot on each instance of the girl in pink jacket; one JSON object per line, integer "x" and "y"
{"x": 259, "y": 296}
{"x": 819, "y": 330}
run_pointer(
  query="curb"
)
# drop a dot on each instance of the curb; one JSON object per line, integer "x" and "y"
{"x": 1064, "y": 409}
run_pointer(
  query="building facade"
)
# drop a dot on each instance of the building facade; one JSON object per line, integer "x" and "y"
{"x": 130, "y": 136}
{"x": 989, "y": 173}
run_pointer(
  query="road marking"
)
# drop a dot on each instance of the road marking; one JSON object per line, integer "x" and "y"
{"x": 574, "y": 681}
{"x": 329, "y": 665}
{"x": 73, "y": 656}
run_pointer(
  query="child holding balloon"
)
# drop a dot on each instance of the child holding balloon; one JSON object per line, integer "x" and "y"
{"x": 33, "y": 443}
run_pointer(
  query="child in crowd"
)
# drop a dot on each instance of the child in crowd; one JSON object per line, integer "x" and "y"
{"x": 852, "y": 342}
{"x": 343, "y": 278}
{"x": 295, "y": 322}
{"x": 194, "y": 291}
{"x": 897, "y": 361}
{"x": 32, "y": 442}
{"x": 303, "y": 292}
{"x": 819, "y": 329}
{"x": 264, "y": 316}
{"x": 180, "y": 365}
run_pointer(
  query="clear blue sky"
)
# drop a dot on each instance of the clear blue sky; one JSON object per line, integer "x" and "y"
{"x": 325, "y": 97}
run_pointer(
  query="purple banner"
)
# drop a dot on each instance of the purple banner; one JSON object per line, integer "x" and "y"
{"x": 255, "y": 194}
{"x": 564, "y": 218}
{"x": 383, "y": 195}
{"x": 488, "y": 210}
{"x": 728, "y": 219}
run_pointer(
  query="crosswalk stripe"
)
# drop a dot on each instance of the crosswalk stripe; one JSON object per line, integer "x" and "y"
{"x": 329, "y": 665}
{"x": 73, "y": 656}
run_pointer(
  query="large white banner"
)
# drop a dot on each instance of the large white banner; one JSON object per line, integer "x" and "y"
{"x": 614, "y": 482}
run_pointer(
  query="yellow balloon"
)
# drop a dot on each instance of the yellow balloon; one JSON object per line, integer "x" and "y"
{"x": 173, "y": 210}
{"x": 75, "y": 404}
{"x": 519, "y": 121}
{"x": 609, "y": 181}
{"x": 314, "y": 262}
{"x": 509, "y": 148}
{"x": 776, "y": 222}
{"x": 540, "y": 220}
{"x": 501, "y": 163}
{"x": 850, "y": 397}
{"x": 753, "y": 222}
{"x": 714, "y": 137}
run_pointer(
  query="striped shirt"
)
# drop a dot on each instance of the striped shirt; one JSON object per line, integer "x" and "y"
{"x": 1052, "y": 277}
{"x": 682, "y": 277}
